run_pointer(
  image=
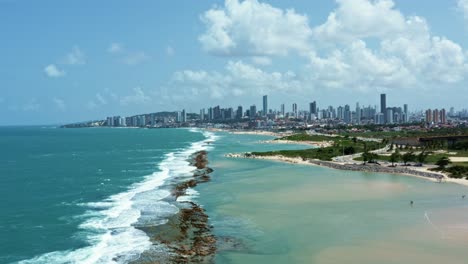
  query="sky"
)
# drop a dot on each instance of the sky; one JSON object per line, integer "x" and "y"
{"x": 69, "y": 61}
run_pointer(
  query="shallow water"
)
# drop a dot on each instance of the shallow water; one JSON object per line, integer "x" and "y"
{"x": 306, "y": 214}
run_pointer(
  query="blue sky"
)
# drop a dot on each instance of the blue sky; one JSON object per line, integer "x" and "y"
{"x": 66, "y": 61}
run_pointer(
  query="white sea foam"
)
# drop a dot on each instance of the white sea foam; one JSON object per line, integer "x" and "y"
{"x": 110, "y": 224}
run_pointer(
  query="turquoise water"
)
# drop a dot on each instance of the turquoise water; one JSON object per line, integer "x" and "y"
{"x": 285, "y": 213}
{"x": 76, "y": 196}
{"x": 66, "y": 192}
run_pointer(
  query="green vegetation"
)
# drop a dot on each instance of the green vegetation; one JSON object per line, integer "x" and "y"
{"x": 377, "y": 132}
{"x": 443, "y": 162}
{"x": 307, "y": 137}
{"x": 341, "y": 145}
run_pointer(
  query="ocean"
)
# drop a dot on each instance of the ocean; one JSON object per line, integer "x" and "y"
{"x": 87, "y": 196}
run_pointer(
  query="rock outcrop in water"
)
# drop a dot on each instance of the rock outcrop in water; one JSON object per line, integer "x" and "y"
{"x": 187, "y": 234}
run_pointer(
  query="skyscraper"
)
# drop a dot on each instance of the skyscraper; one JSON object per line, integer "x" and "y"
{"x": 239, "y": 112}
{"x": 282, "y": 110}
{"x": 313, "y": 108}
{"x": 294, "y": 109}
{"x": 253, "y": 111}
{"x": 358, "y": 114}
{"x": 443, "y": 116}
{"x": 405, "y": 110}
{"x": 265, "y": 105}
{"x": 383, "y": 106}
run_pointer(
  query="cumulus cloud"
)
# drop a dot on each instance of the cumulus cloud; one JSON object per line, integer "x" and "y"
{"x": 408, "y": 55}
{"x": 138, "y": 97}
{"x": 136, "y": 58}
{"x": 59, "y": 103}
{"x": 253, "y": 28}
{"x": 53, "y": 71}
{"x": 115, "y": 48}
{"x": 75, "y": 57}
{"x": 237, "y": 79}
{"x": 404, "y": 52}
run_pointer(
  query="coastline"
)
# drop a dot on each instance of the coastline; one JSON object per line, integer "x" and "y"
{"x": 423, "y": 174}
{"x": 187, "y": 234}
{"x": 318, "y": 144}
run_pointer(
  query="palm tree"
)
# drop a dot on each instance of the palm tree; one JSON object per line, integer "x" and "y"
{"x": 408, "y": 156}
{"x": 443, "y": 162}
{"x": 394, "y": 158}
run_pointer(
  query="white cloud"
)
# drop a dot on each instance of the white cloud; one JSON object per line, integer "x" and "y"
{"x": 59, "y": 103}
{"x": 237, "y": 79}
{"x": 115, "y": 48}
{"x": 31, "y": 106}
{"x": 53, "y": 71}
{"x": 136, "y": 58}
{"x": 463, "y": 8}
{"x": 75, "y": 57}
{"x": 253, "y": 28}
{"x": 170, "y": 51}
{"x": 261, "y": 60}
{"x": 139, "y": 97}
{"x": 361, "y": 19}
{"x": 407, "y": 55}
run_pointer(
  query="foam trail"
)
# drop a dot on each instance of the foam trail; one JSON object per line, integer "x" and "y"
{"x": 110, "y": 224}
{"x": 426, "y": 215}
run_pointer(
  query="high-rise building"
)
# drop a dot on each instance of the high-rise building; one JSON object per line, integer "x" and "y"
{"x": 358, "y": 114}
{"x": 383, "y": 106}
{"x": 389, "y": 116}
{"x": 282, "y": 110}
{"x": 210, "y": 114}
{"x": 184, "y": 116}
{"x": 202, "y": 114}
{"x": 429, "y": 116}
{"x": 435, "y": 116}
{"x": 294, "y": 109}
{"x": 313, "y": 108}
{"x": 340, "y": 113}
{"x": 406, "y": 115}
{"x": 253, "y": 111}
{"x": 217, "y": 113}
{"x": 443, "y": 116}
{"x": 239, "y": 112}
{"x": 265, "y": 105}
{"x": 347, "y": 114}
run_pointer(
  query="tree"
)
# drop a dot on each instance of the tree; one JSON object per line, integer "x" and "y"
{"x": 407, "y": 157}
{"x": 354, "y": 140}
{"x": 394, "y": 158}
{"x": 349, "y": 150}
{"x": 369, "y": 157}
{"x": 443, "y": 162}
{"x": 422, "y": 157}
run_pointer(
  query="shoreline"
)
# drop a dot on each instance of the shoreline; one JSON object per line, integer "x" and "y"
{"x": 405, "y": 171}
{"x": 318, "y": 144}
{"x": 187, "y": 234}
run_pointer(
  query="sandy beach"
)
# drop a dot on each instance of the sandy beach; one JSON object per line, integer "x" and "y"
{"x": 318, "y": 144}
{"x": 420, "y": 172}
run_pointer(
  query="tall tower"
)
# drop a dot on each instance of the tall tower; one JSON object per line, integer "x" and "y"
{"x": 265, "y": 105}
{"x": 383, "y": 106}
{"x": 294, "y": 109}
{"x": 282, "y": 110}
{"x": 358, "y": 114}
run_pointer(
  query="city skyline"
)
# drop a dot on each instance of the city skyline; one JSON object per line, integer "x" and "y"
{"x": 82, "y": 61}
{"x": 264, "y": 118}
